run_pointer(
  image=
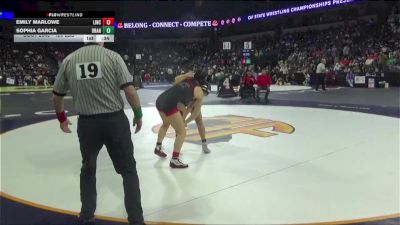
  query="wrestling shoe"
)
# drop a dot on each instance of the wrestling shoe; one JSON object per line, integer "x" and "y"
{"x": 205, "y": 148}
{"x": 159, "y": 150}
{"x": 177, "y": 163}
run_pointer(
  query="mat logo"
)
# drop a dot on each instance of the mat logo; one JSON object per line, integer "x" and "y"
{"x": 220, "y": 128}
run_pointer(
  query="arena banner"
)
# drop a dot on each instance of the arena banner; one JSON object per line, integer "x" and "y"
{"x": 10, "y": 81}
{"x": 166, "y": 24}
{"x": 219, "y": 22}
{"x": 294, "y": 9}
{"x": 359, "y": 79}
{"x": 371, "y": 82}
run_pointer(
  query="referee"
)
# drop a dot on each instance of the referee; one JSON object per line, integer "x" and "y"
{"x": 94, "y": 75}
{"x": 320, "y": 75}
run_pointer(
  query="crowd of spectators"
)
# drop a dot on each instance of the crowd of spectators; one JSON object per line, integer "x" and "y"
{"x": 30, "y": 64}
{"x": 162, "y": 61}
{"x": 353, "y": 47}
{"x": 359, "y": 47}
{"x": 21, "y": 66}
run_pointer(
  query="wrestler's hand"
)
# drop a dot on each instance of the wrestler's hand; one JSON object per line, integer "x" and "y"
{"x": 190, "y": 74}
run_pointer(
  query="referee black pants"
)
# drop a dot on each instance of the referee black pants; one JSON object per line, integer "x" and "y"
{"x": 113, "y": 131}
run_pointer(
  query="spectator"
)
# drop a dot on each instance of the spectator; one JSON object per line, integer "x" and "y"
{"x": 350, "y": 76}
{"x": 248, "y": 82}
{"x": 147, "y": 78}
{"x": 263, "y": 83}
{"x": 383, "y": 59}
{"x": 346, "y": 50}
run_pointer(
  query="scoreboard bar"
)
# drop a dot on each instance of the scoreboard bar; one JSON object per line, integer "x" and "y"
{"x": 64, "y": 22}
{"x": 64, "y": 30}
{"x": 64, "y": 26}
{"x": 62, "y": 38}
{"x": 64, "y": 14}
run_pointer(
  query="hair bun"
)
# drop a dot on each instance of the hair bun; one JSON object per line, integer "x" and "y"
{"x": 200, "y": 75}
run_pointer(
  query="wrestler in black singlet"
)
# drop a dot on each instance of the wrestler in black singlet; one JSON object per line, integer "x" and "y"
{"x": 183, "y": 92}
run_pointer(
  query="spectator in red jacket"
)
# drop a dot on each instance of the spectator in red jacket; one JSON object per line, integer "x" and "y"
{"x": 345, "y": 62}
{"x": 248, "y": 82}
{"x": 263, "y": 83}
{"x": 147, "y": 78}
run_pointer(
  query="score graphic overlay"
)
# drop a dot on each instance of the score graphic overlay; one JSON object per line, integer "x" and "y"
{"x": 64, "y": 27}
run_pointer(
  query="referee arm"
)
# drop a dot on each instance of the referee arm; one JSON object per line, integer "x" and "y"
{"x": 134, "y": 101}
{"x": 59, "y": 91}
